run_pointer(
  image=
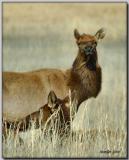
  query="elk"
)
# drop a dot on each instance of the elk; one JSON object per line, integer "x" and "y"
{"x": 43, "y": 116}
{"x": 24, "y": 93}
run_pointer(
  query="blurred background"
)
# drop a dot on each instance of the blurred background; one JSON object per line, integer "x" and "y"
{"x": 40, "y": 35}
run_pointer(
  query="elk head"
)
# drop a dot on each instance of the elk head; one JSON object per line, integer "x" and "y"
{"x": 87, "y": 46}
{"x": 55, "y": 103}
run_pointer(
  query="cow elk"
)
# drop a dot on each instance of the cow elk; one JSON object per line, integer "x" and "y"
{"x": 24, "y": 93}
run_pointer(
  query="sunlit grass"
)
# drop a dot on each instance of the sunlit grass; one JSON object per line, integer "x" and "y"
{"x": 95, "y": 142}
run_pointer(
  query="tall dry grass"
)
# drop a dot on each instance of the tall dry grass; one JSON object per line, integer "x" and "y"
{"x": 95, "y": 142}
{"x": 43, "y": 33}
{"x": 98, "y": 141}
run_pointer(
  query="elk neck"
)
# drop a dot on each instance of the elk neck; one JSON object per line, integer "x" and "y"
{"x": 85, "y": 77}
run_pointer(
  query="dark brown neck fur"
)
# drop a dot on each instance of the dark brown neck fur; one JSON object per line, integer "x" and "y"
{"x": 85, "y": 79}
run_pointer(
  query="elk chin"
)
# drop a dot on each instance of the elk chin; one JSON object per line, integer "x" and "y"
{"x": 91, "y": 62}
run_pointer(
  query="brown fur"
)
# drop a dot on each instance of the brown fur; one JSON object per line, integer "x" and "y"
{"x": 41, "y": 116}
{"x": 84, "y": 82}
{"x": 23, "y": 92}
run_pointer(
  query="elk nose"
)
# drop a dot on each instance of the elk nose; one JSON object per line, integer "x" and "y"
{"x": 88, "y": 50}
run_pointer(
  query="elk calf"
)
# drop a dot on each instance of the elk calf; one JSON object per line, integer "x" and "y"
{"x": 61, "y": 116}
{"x": 44, "y": 114}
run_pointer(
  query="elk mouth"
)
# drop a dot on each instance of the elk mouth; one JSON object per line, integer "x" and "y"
{"x": 91, "y": 62}
{"x": 89, "y": 52}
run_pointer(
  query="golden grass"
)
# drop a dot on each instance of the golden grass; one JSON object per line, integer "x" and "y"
{"x": 82, "y": 143}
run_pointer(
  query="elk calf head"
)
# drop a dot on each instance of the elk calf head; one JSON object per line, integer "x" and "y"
{"x": 55, "y": 103}
{"x": 60, "y": 113}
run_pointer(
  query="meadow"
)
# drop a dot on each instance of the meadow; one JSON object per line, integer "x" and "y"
{"x": 41, "y": 36}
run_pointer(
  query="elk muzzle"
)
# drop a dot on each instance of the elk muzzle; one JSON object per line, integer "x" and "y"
{"x": 89, "y": 50}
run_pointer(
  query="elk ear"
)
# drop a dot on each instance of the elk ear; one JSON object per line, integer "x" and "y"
{"x": 52, "y": 98}
{"x": 100, "y": 34}
{"x": 76, "y": 34}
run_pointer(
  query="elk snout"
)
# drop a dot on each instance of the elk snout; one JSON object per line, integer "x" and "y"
{"x": 89, "y": 50}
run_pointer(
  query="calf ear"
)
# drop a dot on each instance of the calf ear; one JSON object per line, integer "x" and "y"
{"x": 52, "y": 98}
{"x": 76, "y": 34}
{"x": 100, "y": 34}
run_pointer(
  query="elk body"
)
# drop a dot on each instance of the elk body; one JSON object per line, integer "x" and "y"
{"x": 44, "y": 116}
{"x": 24, "y": 93}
